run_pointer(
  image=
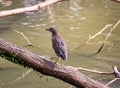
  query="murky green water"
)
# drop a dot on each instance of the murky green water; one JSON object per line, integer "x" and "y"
{"x": 75, "y": 21}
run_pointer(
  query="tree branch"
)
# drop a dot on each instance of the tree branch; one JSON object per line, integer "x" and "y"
{"x": 28, "y": 9}
{"x": 23, "y": 76}
{"x": 93, "y": 36}
{"x": 43, "y": 65}
{"x": 108, "y": 35}
{"x": 112, "y": 81}
{"x": 97, "y": 72}
{"x": 30, "y": 44}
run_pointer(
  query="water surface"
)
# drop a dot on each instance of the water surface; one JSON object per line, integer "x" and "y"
{"x": 75, "y": 21}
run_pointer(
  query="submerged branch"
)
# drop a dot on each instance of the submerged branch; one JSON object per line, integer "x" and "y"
{"x": 30, "y": 44}
{"x": 108, "y": 35}
{"x": 99, "y": 50}
{"x": 95, "y": 35}
{"x": 100, "y": 32}
{"x": 23, "y": 76}
{"x": 112, "y": 81}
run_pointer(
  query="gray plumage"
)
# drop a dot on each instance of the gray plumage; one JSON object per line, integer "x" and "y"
{"x": 58, "y": 44}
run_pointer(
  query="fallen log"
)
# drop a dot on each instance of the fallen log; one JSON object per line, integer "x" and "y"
{"x": 43, "y": 65}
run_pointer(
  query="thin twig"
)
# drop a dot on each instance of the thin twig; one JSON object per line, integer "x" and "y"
{"x": 89, "y": 70}
{"x": 23, "y": 76}
{"x": 100, "y": 32}
{"x": 95, "y": 35}
{"x": 94, "y": 71}
{"x": 108, "y": 35}
{"x": 30, "y": 44}
{"x": 111, "y": 31}
{"x": 112, "y": 81}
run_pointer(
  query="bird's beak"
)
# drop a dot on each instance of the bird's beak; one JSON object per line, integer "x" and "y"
{"x": 47, "y": 29}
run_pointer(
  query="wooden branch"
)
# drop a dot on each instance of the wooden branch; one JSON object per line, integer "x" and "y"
{"x": 112, "y": 81}
{"x": 43, "y": 65}
{"x": 30, "y": 44}
{"x": 23, "y": 76}
{"x": 116, "y": 72}
{"x": 108, "y": 35}
{"x": 100, "y": 32}
{"x": 97, "y": 72}
{"x": 28, "y": 9}
{"x": 117, "y": 75}
{"x": 93, "y": 36}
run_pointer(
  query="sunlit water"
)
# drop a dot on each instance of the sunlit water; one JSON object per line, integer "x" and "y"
{"x": 75, "y": 21}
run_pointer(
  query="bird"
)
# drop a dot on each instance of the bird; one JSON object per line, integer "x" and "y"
{"x": 58, "y": 44}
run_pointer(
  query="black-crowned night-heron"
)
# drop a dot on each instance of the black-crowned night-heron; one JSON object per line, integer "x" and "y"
{"x": 58, "y": 44}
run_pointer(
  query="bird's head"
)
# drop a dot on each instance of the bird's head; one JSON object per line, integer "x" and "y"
{"x": 52, "y": 29}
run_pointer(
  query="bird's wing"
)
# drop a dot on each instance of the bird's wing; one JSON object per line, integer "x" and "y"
{"x": 60, "y": 47}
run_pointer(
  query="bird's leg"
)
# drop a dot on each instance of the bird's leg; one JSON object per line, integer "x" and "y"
{"x": 61, "y": 62}
{"x": 57, "y": 60}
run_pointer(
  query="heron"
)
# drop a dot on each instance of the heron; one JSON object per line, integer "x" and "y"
{"x": 58, "y": 44}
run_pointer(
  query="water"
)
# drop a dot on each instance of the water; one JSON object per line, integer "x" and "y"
{"x": 75, "y": 21}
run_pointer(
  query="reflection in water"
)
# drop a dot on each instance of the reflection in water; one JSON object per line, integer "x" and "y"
{"x": 75, "y": 21}
{"x": 6, "y": 2}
